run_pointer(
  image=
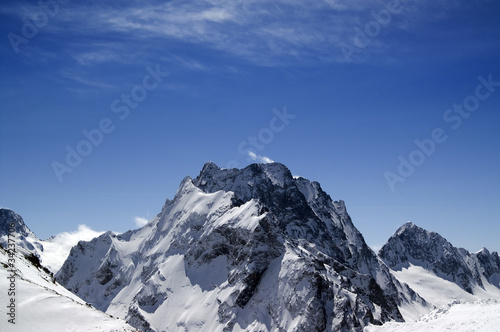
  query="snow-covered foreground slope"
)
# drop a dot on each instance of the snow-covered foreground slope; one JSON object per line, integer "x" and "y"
{"x": 457, "y": 316}
{"x": 39, "y": 304}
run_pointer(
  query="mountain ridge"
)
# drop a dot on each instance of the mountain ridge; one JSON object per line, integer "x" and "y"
{"x": 266, "y": 233}
{"x": 414, "y": 245}
{"x": 257, "y": 249}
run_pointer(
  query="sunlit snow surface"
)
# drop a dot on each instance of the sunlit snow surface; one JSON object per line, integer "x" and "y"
{"x": 457, "y": 316}
{"x": 456, "y": 310}
{"x": 439, "y": 291}
{"x": 42, "y": 305}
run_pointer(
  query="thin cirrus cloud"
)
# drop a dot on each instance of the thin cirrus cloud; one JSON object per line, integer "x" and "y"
{"x": 90, "y": 58}
{"x": 258, "y": 31}
{"x": 255, "y": 30}
{"x": 260, "y": 159}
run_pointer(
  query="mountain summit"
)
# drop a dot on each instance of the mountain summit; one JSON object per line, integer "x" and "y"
{"x": 251, "y": 249}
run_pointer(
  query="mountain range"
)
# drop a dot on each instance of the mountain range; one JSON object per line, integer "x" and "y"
{"x": 414, "y": 245}
{"x": 257, "y": 249}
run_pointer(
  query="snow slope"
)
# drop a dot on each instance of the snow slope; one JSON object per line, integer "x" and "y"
{"x": 457, "y": 316}
{"x": 439, "y": 291}
{"x": 442, "y": 274}
{"x": 42, "y": 305}
{"x": 428, "y": 262}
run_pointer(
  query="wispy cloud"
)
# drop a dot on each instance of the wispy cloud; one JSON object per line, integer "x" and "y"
{"x": 97, "y": 56}
{"x": 186, "y": 62}
{"x": 139, "y": 221}
{"x": 255, "y": 30}
{"x": 259, "y": 158}
{"x": 266, "y": 33}
{"x": 90, "y": 83}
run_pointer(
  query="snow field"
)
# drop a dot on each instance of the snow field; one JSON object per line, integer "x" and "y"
{"x": 44, "y": 306}
{"x": 457, "y": 316}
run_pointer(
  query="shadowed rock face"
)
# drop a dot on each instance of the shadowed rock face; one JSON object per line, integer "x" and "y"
{"x": 26, "y": 241}
{"x": 489, "y": 265}
{"x": 414, "y": 245}
{"x": 254, "y": 248}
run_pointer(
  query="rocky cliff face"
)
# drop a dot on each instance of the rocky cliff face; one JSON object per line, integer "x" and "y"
{"x": 253, "y": 249}
{"x": 414, "y": 245}
{"x": 26, "y": 242}
{"x": 488, "y": 265}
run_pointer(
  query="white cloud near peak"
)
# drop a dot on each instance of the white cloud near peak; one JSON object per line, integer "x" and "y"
{"x": 139, "y": 221}
{"x": 259, "y": 158}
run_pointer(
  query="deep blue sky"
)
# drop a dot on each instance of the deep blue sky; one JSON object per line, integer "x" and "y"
{"x": 229, "y": 65}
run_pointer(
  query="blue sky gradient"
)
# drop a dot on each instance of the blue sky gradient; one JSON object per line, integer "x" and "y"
{"x": 171, "y": 85}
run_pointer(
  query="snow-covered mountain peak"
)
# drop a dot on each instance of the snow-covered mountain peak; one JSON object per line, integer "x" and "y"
{"x": 306, "y": 208}
{"x": 185, "y": 187}
{"x": 483, "y": 251}
{"x": 408, "y": 226}
{"x": 414, "y": 235}
{"x": 242, "y": 181}
{"x": 414, "y": 246}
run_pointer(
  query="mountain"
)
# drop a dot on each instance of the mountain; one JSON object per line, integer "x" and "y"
{"x": 457, "y": 316}
{"x": 31, "y": 299}
{"x": 424, "y": 259}
{"x": 251, "y": 249}
{"x": 488, "y": 265}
